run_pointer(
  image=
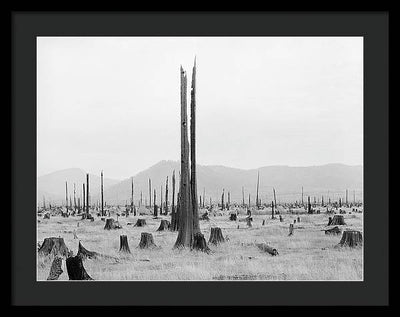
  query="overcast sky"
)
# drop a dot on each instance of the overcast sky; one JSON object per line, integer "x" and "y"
{"x": 113, "y": 103}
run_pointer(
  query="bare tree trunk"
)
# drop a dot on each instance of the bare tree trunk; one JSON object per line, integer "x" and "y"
{"x": 132, "y": 196}
{"x": 87, "y": 193}
{"x": 243, "y": 196}
{"x": 258, "y": 184}
{"x": 185, "y": 233}
{"x": 66, "y": 195}
{"x": 84, "y": 198}
{"x": 193, "y": 176}
{"x": 166, "y": 197}
{"x": 102, "y": 195}
{"x": 150, "y": 192}
{"x": 74, "y": 197}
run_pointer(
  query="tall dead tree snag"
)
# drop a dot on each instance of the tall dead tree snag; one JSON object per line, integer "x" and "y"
{"x": 87, "y": 193}
{"x": 150, "y": 192}
{"x": 66, "y": 196}
{"x": 173, "y": 226}
{"x": 166, "y": 197}
{"x": 189, "y": 234}
{"x": 222, "y": 199}
{"x": 132, "y": 207}
{"x": 102, "y": 195}
{"x": 155, "y": 213}
{"x": 258, "y": 184}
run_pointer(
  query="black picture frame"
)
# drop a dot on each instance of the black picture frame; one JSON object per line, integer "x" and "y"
{"x": 373, "y": 26}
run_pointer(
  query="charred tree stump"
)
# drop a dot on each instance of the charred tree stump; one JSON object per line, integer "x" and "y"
{"x": 233, "y": 217}
{"x": 216, "y": 236}
{"x": 55, "y": 270}
{"x": 86, "y": 254}
{"x": 291, "y": 229}
{"x": 123, "y": 244}
{"x": 75, "y": 269}
{"x": 146, "y": 241}
{"x": 334, "y": 230}
{"x": 53, "y": 246}
{"x": 266, "y": 248}
{"x": 351, "y": 238}
{"x": 140, "y": 223}
{"x": 337, "y": 220}
{"x": 199, "y": 243}
{"x": 248, "y": 221}
{"x": 205, "y": 216}
{"x": 164, "y": 225}
{"x": 112, "y": 224}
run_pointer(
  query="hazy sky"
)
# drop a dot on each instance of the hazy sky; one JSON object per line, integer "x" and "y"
{"x": 113, "y": 103}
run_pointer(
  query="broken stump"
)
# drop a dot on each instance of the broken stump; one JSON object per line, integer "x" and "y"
{"x": 266, "y": 248}
{"x": 199, "y": 243}
{"x": 216, "y": 236}
{"x": 146, "y": 241}
{"x": 351, "y": 238}
{"x": 53, "y": 246}
{"x": 164, "y": 225}
{"x": 140, "y": 223}
{"x": 75, "y": 269}
{"x": 123, "y": 244}
{"x": 55, "y": 270}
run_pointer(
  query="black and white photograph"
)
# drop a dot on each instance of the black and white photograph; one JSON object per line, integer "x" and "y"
{"x": 200, "y": 158}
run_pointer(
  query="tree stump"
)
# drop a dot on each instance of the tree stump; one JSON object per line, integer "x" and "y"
{"x": 46, "y": 216}
{"x": 280, "y": 218}
{"x": 266, "y": 248}
{"x": 298, "y": 219}
{"x": 146, "y": 241}
{"x": 233, "y": 217}
{"x": 291, "y": 229}
{"x": 55, "y": 270}
{"x": 164, "y": 225}
{"x": 123, "y": 244}
{"x": 205, "y": 216}
{"x": 263, "y": 223}
{"x": 140, "y": 223}
{"x": 75, "y": 236}
{"x": 75, "y": 269}
{"x": 216, "y": 236}
{"x": 248, "y": 221}
{"x": 334, "y": 230}
{"x": 351, "y": 238}
{"x": 84, "y": 253}
{"x": 53, "y": 246}
{"x": 199, "y": 243}
{"x": 111, "y": 224}
{"x": 294, "y": 221}
{"x": 337, "y": 220}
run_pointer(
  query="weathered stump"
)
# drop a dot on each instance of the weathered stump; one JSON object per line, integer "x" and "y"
{"x": 84, "y": 253}
{"x": 199, "y": 243}
{"x": 298, "y": 219}
{"x": 263, "y": 223}
{"x": 334, "y": 230}
{"x": 266, "y": 248}
{"x": 46, "y": 216}
{"x": 55, "y": 270}
{"x": 146, "y": 241}
{"x": 216, "y": 236}
{"x": 111, "y": 224}
{"x": 233, "y": 217}
{"x": 205, "y": 216}
{"x": 123, "y": 244}
{"x": 140, "y": 223}
{"x": 53, "y": 246}
{"x": 164, "y": 225}
{"x": 351, "y": 238}
{"x": 75, "y": 269}
{"x": 291, "y": 229}
{"x": 337, "y": 220}
{"x": 248, "y": 221}
{"x": 280, "y": 218}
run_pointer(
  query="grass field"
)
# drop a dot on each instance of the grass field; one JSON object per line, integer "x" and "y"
{"x": 308, "y": 254}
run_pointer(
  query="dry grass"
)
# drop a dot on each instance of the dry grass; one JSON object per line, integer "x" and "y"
{"x": 307, "y": 255}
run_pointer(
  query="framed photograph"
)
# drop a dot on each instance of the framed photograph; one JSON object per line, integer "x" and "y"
{"x": 200, "y": 158}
